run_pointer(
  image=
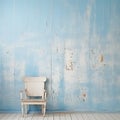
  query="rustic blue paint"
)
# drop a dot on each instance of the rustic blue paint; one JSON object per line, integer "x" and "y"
{"x": 64, "y": 40}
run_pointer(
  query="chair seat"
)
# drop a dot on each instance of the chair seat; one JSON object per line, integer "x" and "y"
{"x": 34, "y": 101}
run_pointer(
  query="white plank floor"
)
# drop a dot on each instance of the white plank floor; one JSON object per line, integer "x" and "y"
{"x": 61, "y": 116}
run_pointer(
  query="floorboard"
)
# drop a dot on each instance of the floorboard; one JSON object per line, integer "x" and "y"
{"x": 61, "y": 116}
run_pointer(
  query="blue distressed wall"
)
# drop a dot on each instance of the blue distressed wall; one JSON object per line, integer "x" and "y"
{"x": 75, "y": 43}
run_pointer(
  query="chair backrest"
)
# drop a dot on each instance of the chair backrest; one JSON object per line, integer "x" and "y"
{"x": 34, "y": 86}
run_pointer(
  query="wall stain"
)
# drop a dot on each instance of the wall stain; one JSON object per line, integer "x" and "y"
{"x": 101, "y": 58}
{"x": 69, "y": 66}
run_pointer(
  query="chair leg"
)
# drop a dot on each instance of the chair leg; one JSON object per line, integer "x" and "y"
{"x": 25, "y": 109}
{"x": 22, "y": 109}
{"x": 44, "y": 109}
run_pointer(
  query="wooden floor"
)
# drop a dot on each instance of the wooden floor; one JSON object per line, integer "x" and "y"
{"x": 62, "y": 116}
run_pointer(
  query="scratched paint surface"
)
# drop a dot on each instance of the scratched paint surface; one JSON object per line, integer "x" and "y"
{"x": 74, "y": 43}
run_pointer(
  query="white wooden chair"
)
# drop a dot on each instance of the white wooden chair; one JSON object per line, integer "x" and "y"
{"x": 34, "y": 87}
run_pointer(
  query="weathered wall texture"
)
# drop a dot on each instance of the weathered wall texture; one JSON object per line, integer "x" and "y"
{"x": 75, "y": 43}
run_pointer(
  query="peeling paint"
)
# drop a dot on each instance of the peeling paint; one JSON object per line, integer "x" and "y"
{"x": 101, "y": 58}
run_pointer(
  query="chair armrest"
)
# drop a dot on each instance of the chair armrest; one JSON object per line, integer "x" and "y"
{"x": 45, "y": 94}
{"x": 22, "y": 94}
